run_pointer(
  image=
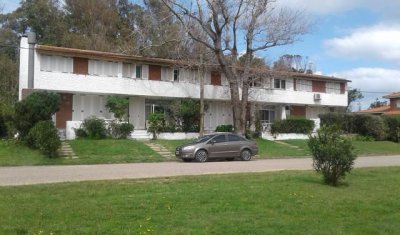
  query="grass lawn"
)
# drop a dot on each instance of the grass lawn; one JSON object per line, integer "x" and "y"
{"x": 262, "y": 203}
{"x": 88, "y": 151}
{"x": 172, "y": 144}
{"x": 271, "y": 149}
{"x": 363, "y": 148}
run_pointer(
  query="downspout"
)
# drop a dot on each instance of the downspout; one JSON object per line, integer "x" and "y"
{"x": 31, "y": 62}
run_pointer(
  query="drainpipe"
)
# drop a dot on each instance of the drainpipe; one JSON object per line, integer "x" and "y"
{"x": 31, "y": 62}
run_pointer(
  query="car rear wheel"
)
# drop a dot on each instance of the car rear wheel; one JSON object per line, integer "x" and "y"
{"x": 245, "y": 155}
{"x": 201, "y": 156}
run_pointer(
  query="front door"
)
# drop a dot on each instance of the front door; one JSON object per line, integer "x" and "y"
{"x": 65, "y": 112}
{"x": 218, "y": 147}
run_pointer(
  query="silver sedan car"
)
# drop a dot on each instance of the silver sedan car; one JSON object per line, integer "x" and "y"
{"x": 223, "y": 145}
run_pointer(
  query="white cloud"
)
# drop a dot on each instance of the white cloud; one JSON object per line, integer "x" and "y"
{"x": 387, "y": 8}
{"x": 377, "y": 42}
{"x": 375, "y": 82}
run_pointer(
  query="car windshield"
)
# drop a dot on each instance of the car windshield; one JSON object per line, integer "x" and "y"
{"x": 203, "y": 139}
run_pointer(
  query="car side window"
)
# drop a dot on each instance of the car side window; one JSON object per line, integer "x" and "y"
{"x": 234, "y": 138}
{"x": 219, "y": 139}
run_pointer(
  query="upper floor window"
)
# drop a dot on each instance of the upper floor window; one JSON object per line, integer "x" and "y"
{"x": 138, "y": 71}
{"x": 128, "y": 70}
{"x": 333, "y": 87}
{"x": 103, "y": 68}
{"x": 176, "y": 74}
{"x": 303, "y": 85}
{"x": 54, "y": 63}
{"x": 280, "y": 84}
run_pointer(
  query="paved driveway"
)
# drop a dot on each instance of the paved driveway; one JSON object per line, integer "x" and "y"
{"x": 53, "y": 174}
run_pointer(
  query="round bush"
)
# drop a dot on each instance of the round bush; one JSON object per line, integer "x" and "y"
{"x": 120, "y": 130}
{"x": 44, "y": 136}
{"x": 94, "y": 127}
{"x": 333, "y": 155}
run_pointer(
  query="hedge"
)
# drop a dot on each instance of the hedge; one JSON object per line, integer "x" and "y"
{"x": 377, "y": 127}
{"x": 292, "y": 125}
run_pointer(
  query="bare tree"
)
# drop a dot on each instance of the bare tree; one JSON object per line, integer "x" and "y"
{"x": 229, "y": 26}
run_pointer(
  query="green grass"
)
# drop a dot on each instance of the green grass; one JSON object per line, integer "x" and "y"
{"x": 271, "y": 149}
{"x": 363, "y": 148}
{"x": 88, "y": 151}
{"x": 171, "y": 144}
{"x": 262, "y": 203}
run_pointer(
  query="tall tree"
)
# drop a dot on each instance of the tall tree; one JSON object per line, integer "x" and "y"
{"x": 352, "y": 96}
{"x": 230, "y": 25}
{"x": 293, "y": 63}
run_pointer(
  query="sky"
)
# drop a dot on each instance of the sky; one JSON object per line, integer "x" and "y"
{"x": 358, "y": 40}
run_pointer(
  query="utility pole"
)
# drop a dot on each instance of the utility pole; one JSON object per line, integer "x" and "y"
{"x": 201, "y": 73}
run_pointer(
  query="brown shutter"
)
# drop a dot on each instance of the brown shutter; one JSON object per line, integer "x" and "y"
{"x": 342, "y": 88}
{"x": 65, "y": 112}
{"x": 155, "y": 72}
{"x": 80, "y": 65}
{"x": 294, "y": 84}
{"x": 318, "y": 86}
{"x": 298, "y": 111}
{"x": 215, "y": 78}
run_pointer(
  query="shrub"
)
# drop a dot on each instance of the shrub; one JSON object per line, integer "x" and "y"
{"x": 362, "y": 124}
{"x": 393, "y": 123}
{"x": 292, "y": 125}
{"x": 44, "y": 136}
{"x": 224, "y": 128}
{"x": 94, "y": 127}
{"x": 38, "y": 106}
{"x": 120, "y": 130}
{"x": 156, "y": 123}
{"x": 370, "y": 125}
{"x": 185, "y": 115}
{"x": 80, "y": 133}
{"x": 118, "y": 105}
{"x": 333, "y": 155}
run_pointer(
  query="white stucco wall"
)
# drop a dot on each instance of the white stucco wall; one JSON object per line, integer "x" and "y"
{"x": 137, "y": 112}
{"x": 23, "y": 65}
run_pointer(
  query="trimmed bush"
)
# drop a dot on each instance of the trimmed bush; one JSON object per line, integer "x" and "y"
{"x": 95, "y": 128}
{"x": 80, "y": 133}
{"x": 224, "y": 128}
{"x": 120, "y": 130}
{"x": 38, "y": 106}
{"x": 44, "y": 136}
{"x": 333, "y": 155}
{"x": 393, "y": 123}
{"x": 292, "y": 125}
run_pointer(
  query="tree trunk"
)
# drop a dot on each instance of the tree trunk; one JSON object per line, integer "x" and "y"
{"x": 201, "y": 133}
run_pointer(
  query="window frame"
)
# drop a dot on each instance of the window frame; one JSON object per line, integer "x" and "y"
{"x": 281, "y": 83}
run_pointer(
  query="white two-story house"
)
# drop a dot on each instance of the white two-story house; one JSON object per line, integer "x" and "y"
{"x": 85, "y": 78}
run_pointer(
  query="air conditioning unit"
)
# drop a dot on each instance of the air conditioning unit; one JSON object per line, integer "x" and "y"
{"x": 317, "y": 96}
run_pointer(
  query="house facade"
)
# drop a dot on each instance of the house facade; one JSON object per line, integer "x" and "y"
{"x": 392, "y": 109}
{"x": 85, "y": 78}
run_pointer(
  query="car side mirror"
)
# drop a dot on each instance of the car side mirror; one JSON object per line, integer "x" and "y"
{"x": 212, "y": 142}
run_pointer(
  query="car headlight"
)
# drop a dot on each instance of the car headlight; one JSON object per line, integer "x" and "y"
{"x": 188, "y": 148}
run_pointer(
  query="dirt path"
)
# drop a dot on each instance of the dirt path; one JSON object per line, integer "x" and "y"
{"x": 53, "y": 174}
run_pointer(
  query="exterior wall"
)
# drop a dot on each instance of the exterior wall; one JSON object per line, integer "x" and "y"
{"x": 23, "y": 66}
{"x": 84, "y": 106}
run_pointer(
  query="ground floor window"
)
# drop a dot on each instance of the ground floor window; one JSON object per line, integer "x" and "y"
{"x": 267, "y": 117}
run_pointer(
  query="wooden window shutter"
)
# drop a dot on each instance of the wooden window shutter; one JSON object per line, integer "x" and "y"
{"x": 155, "y": 72}
{"x": 342, "y": 88}
{"x": 80, "y": 65}
{"x": 318, "y": 86}
{"x": 215, "y": 78}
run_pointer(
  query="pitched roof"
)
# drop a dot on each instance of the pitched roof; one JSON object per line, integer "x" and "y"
{"x": 392, "y": 95}
{"x": 381, "y": 109}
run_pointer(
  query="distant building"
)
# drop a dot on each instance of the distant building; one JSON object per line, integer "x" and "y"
{"x": 392, "y": 109}
{"x": 85, "y": 78}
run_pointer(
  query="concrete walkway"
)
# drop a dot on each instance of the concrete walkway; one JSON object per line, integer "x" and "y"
{"x": 52, "y": 174}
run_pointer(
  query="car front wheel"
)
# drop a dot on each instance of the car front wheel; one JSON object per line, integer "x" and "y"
{"x": 201, "y": 156}
{"x": 245, "y": 155}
